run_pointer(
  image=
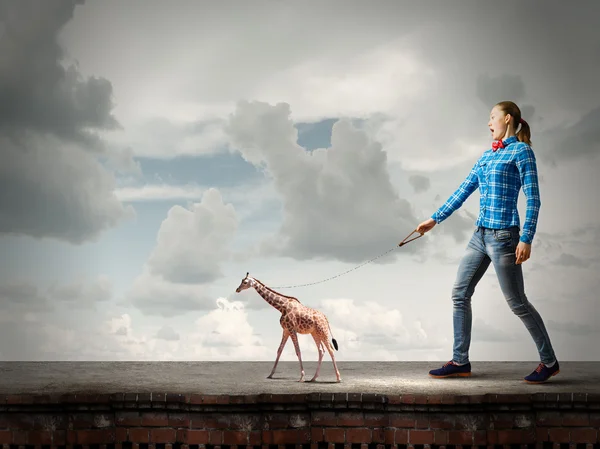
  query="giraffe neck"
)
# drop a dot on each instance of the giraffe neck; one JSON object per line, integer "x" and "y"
{"x": 275, "y": 299}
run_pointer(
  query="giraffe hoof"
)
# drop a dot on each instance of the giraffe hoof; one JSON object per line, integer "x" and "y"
{"x": 270, "y": 376}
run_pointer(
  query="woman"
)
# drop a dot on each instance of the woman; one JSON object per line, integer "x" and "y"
{"x": 499, "y": 174}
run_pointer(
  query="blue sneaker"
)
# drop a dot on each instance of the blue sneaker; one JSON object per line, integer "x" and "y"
{"x": 451, "y": 369}
{"x": 542, "y": 373}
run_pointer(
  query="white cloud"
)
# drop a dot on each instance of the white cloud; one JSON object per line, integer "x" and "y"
{"x": 372, "y": 329}
{"x": 338, "y": 202}
{"x": 159, "y": 192}
{"x": 192, "y": 243}
{"x": 153, "y": 295}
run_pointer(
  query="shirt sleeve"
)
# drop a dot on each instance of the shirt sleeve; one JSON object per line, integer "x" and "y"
{"x": 456, "y": 200}
{"x": 529, "y": 181}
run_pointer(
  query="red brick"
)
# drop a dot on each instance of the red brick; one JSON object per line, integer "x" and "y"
{"x": 19, "y": 438}
{"x": 196, "y": 436}
{"x": 440, "y": 436}
{"x": 155, "y": 419}
{"x": 358, "y": 435}
{"x": 128, "y": 419}
{"x": 595, "y": 419}
{"x": 235, "y": 437}
{"x": 406, "y": 421}
{"x": 87, "y": 437}
{"x": 290, "y": 436}
{"x": 401, "y": 436}
{"x": 212, "y": 421}
{"x": 541, "y": 433}
{"x": 574, "y": 419}
{"x": 20, "y": 421}
{"x": 167, "y": 435}
{"x": 420, "y": 436}
{"x": 351, "y": 419}
{"x": 196, "y": 399}
{"x": 441, "y": 422}
{"x": 378, "y": 435}
{"x": 70, "y": 437}
{"x": 548, "y": 418}
{"x": 376, "y": 420}
{"x": 511, "y": 399}
{"x": 254, "y": 438}
{"x": 448, "y": 399}
{"x": 120, "y": 433}
{"x": 277, "y": 420}
{"x": 5, "y": 437}
{"x": 215, "y": 437}
{"x": 39, "y": 437}
{"x": 59, "y": 438}
{"x": 394, "y": 399}
{"x": 179, "y": 420}
{"x": 316, "y": 434}
{"x": 480, "y": 437}
{"x": 389, "y": 436}
{"x": 558, "y": 435}
{"x": 324, "y": 418}
{"x": 420, "y": 399}
{"x": 434, "y": 399}
{"x": 460, "y": 437}
{"x": 139, "y": 435}
{"x": 502, "y": 421}
{"x": 584, "y": 435}
{"x": 13, "y": 399}
{"x": 335, "y": 435}
{"x": 407, "y": 399}
{"x": 516, "y": 436}
{"x": 81, "y": 421}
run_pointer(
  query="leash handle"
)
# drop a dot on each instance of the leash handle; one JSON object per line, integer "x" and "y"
{"x": 405, "y": 241}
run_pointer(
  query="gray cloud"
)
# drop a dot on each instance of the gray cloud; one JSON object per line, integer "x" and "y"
{"x": 569, "y": 260}
{"x": 338, "y": 202}
{"x": 580, "y": 140}
{"x": 167, "y": 333}
{"x": 483, "y": 331}
{"x": 28, "y": 297}
{"x": 51, "y": 183}
{"x": 419, "y": 183}
{"x": 574, "y": 328}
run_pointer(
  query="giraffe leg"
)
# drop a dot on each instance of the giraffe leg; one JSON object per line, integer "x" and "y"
{"x": 294, "y": 336}
{"x": 279, "y": 351}
{"x": 329, "y": 347}
{"x": 321, "y": 354}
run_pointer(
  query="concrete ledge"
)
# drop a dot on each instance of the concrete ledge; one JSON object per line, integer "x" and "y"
{"x": 233, "y": 406}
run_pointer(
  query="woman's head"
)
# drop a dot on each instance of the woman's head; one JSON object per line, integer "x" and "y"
{"x": 505, "y": 118}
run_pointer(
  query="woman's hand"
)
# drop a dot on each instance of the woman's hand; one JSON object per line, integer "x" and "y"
{"x": 523, "y": 252}
{"x": 426, "y": 226}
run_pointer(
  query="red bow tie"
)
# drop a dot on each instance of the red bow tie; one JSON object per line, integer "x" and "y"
{"x": 497, "y": 144}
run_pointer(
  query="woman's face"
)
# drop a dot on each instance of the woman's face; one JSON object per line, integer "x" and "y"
{"x": 498, "y": 123}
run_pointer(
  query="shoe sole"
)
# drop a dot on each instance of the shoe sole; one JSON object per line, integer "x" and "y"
{"x": 451, "y": 375}
{"x": 541, "y": 381}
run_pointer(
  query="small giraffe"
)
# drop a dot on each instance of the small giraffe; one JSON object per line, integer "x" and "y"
{"x": 296, "y": 318}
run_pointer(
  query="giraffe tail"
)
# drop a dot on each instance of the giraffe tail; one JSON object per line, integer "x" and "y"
{"x": 333, "y": 340}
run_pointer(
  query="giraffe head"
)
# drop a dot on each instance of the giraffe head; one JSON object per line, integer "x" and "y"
{"x": 247, "y": 282}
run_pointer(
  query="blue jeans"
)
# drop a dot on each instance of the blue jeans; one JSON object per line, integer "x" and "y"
{"x": 497, "y": 246}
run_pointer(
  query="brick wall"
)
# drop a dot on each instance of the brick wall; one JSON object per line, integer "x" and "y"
{"x": 315, "y": 421}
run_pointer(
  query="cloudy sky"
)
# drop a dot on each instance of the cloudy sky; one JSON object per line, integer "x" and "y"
{"x": 154, "y": 152}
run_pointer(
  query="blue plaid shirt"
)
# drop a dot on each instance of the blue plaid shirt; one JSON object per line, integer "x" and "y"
{"x": 499, "y": 176}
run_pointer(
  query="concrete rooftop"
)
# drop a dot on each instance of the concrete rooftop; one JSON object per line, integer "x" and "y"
{"x": 250, "y": 378}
